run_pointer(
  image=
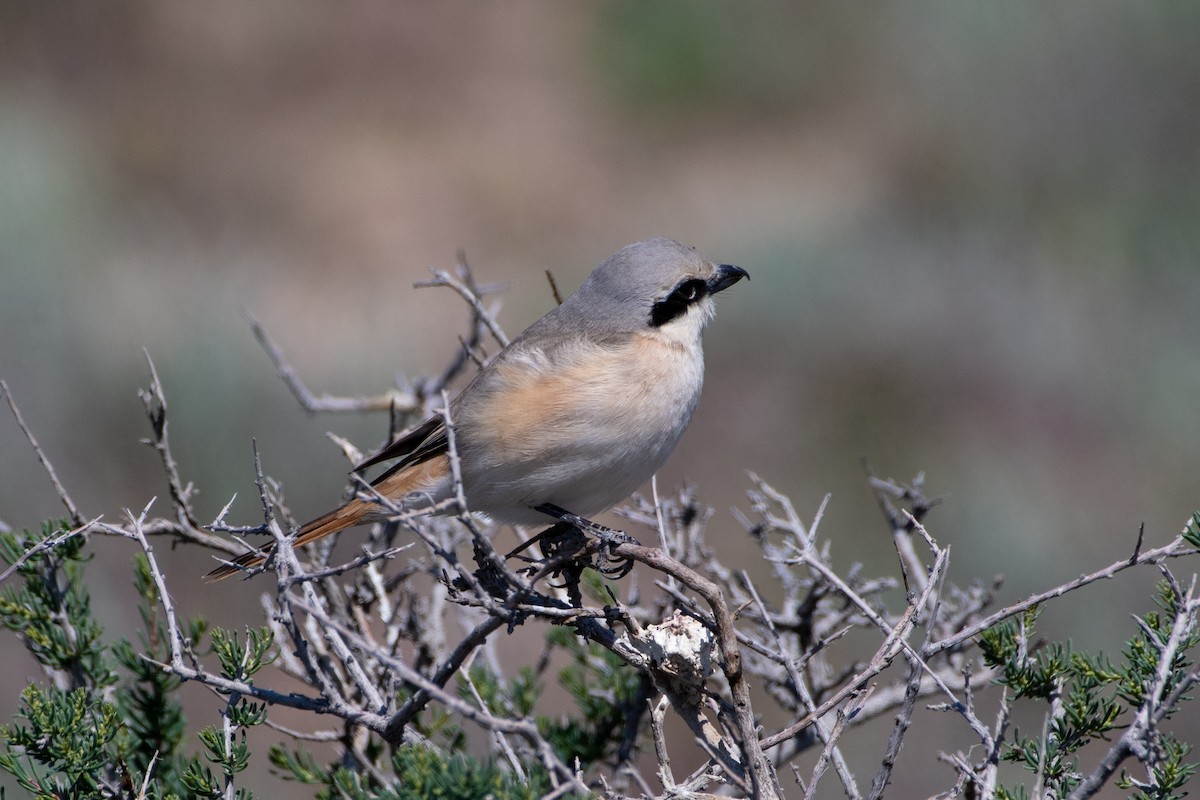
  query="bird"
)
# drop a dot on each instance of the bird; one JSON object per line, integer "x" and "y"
{"x": 574, "y": 414}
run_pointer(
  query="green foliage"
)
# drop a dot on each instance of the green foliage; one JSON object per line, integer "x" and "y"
{"x": 64, "y": 749}
{"x": 1090, "y": 698}
{"x": 152, "y": 716}
{"x": 1014, "y": 793}
{"x": 225, "y": 745}
{"x": 51, "y": 611}
{"x": 421, "y": 773}
{"x": 438, "y": 724}
{"x": 67, "y": 737}
{"x": 114, "y": 716}
{"x": 1191, "y": 531}
{"x": 299, "y": 765}
{"x": 428, "y": 773}
{"x": 595, "y": 586}
{"x": 100, "y": 730}
{"x": 112, "y": 722}
{"x": 514, "y": 699}
{"x": 1166, "y": 778}
{"x": 241, "y": 660}
{"x": 606, "y": 694}
{"x": 1141, "y": 652}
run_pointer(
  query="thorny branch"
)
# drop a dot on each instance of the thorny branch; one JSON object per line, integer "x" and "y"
{"x": 369, "y": 637}
{"x": 76, "y": 517}
{"x": 390, "y": 401}
{"x": 155, "y": 403}
{"x": 466, "y": 288}
{"x": 1138, "y": 738}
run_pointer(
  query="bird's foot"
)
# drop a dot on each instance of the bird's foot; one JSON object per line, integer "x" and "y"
{"x": 606, "y": 564}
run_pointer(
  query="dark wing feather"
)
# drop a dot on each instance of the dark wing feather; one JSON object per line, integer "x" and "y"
{"x": 422, "y": 443}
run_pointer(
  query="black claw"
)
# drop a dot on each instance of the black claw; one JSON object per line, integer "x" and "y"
{"x": 551, "y": 538}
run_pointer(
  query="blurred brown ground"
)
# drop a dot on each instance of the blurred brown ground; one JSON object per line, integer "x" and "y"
{"x": 973, "y": 233}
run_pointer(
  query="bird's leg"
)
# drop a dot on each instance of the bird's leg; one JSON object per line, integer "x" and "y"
{"x": 609, "y": 567}
{"x": 552, "y": 541}
{"x": 560, "y": 543}
{"x": 585, "y": 525}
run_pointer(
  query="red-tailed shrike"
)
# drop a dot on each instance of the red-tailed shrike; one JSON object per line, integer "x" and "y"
{"x": 576, "y": 413}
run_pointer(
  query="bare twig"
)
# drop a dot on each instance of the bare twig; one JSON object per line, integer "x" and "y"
{"x": 658, "y": 713}
{"x": 828, "y": 733}
{"x": 844, "y": 715}
{"x": 892, "y": 645}
{"x": 443, "y": 278}
{"x": 155, "y": 402}
{"x": 72, "y": 511}
{"x": 912, "y": 690}
{"x": 49, "y": 543}
{"x": 313, "y": 403}
{"x": 499, "y": 737}
{"x": 1139, "y": 739}
{"x": 526, "y": 729}
{"x": 758, "y": 767}
{"x": 1175, "y": 549}
{"x": 361, "y": 634}
{"x": 474, "y": 342}
{"x": 554, "y": 288}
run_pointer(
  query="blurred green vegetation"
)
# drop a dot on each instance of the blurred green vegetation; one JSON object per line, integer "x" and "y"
{"x": 674, "y": 60}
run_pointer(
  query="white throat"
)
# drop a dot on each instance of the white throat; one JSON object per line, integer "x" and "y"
{"x": 684, "y": 330}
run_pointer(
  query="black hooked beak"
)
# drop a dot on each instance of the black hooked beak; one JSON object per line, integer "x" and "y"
{"x": 727, "y": 275}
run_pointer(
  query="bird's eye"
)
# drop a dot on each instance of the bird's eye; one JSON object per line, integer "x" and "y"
{"x": 678, "y": 301}
{"x": 689, "y": 291}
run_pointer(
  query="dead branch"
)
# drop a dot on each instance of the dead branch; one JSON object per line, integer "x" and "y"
{"x": 72, "y": 511}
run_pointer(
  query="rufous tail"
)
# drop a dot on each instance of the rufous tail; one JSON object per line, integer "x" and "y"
{"x": 350, "y": 514}
{"x": 424, "y": 476}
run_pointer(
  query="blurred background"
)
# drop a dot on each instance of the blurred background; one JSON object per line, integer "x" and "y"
{"x": 973, "y": 233}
